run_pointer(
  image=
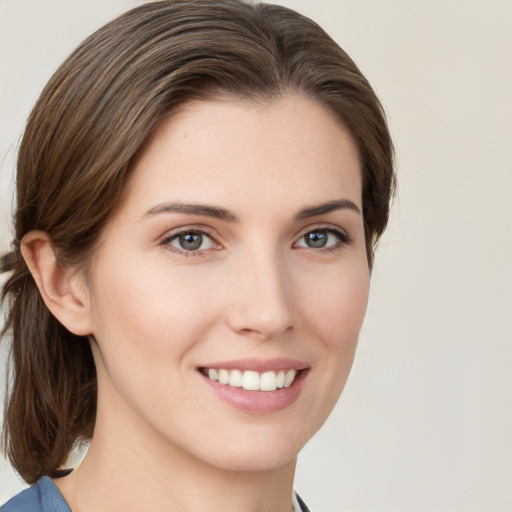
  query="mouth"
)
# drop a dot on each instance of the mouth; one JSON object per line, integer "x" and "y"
{"x": 256, "y": 386}
{"x": 251, "y": 380}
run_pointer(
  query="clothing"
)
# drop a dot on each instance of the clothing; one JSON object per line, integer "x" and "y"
{"x": 298, "y": 504}
{"x": 44, "y": 496}
{"x": 41, "y": 497}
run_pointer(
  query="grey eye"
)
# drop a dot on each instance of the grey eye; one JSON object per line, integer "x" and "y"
{"x": 321, "y": 239}
{"x": 316, "y": 239}
{"x": 189, "y": 241}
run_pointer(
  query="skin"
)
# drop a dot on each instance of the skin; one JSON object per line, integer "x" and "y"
{"x": 255, "y": 289}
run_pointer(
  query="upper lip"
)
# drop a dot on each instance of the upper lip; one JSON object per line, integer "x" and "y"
{"x": 258, "y": 365}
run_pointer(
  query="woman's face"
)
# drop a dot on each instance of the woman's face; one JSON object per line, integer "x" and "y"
{"x": 237, "y": 255}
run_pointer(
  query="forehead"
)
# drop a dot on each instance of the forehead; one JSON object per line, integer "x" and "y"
{"x": 245, "y": 153}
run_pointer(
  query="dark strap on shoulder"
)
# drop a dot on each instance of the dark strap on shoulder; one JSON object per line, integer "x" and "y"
{"x": 303, "y": 506}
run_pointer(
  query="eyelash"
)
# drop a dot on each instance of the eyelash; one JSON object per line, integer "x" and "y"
{"x": 341, "y": 235}
{"x": 166, "y": 242}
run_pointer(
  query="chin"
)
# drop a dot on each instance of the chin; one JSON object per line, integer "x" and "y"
{"x": 255, "y": 449}
{"x": 254, "y": 459}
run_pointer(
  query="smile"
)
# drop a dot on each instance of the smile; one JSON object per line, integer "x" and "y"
{"x": 251, "y": 380}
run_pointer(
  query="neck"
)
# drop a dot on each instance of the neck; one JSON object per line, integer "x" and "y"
{"x": 129, "y": 485}
{"x": 128, "y": 470}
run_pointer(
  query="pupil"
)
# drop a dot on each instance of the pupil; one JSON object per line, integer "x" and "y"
{"x": 316, "y": 239}
{"x": 191, "y": 241}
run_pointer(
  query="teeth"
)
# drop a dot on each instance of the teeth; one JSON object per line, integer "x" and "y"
{"x": 280, "y": 379}
{"x": 236, "y": 379}
{"x": 268, "y": 381}
{"x": 288, "y": 379}
{"x": 223, "y": 376}
{"x": 253, "y": 381}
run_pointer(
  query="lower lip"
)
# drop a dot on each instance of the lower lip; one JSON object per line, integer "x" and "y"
{"x": 258, "y": 402}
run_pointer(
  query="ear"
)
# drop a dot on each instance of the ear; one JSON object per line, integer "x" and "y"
{"x": 60, "y": 287}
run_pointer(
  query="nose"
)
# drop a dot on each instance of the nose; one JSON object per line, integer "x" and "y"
{"x": 262, "y": 297}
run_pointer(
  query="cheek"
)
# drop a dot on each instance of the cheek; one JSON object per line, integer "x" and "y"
{"x": 147, "y": 325}
{"x": 152, "y": 300}
{"x": 334, "y": 314}
{"x": 335, "y": 303}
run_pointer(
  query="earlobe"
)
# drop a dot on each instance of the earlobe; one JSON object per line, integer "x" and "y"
{"x": 58, "y": 285}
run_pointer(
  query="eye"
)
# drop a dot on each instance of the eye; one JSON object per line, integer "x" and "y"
{"x": 323, "y": 239}
{"x": 190, "y": 241}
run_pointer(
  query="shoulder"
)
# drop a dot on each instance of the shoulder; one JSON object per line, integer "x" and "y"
{"x": 41, "y": 497}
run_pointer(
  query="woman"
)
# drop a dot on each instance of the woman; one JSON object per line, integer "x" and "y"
{"x": 200, "y": 188}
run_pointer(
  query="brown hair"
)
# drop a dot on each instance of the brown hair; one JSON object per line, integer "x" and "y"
{"x": 90, "y": 121}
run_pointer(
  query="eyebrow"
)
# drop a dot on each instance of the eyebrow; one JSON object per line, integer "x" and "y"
{"x": 339, "y": 204}
{"x": 201, "y": 209}
{"x": 216, "y": 212}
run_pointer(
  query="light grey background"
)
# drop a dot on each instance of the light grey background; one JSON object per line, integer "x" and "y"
{"x": 425, "y": 423}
